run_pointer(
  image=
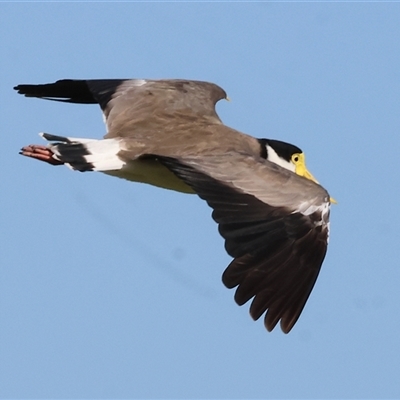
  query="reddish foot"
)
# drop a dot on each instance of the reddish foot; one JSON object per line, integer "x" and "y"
{"x": 41, "y": 153}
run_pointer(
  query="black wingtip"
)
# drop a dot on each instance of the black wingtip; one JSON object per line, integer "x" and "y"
{"x": 19, "y": 88}
{"x": 64, "y": 90}
{"x": 98, "y": 91}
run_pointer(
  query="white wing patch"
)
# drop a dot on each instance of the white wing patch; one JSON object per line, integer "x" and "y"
{"x": 306, "y": 208}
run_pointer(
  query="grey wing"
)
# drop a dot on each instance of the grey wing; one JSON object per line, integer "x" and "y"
{"x": 278, "y": 250}
{"x": 137, "y": 108}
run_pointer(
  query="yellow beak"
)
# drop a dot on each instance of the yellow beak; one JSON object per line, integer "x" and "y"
{"x": 302, "y": 170}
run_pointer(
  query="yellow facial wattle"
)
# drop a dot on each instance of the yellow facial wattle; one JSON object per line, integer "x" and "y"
{"x": 299, "y": 161}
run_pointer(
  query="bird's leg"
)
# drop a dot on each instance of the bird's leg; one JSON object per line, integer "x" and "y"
{"x": 41, "y": 153}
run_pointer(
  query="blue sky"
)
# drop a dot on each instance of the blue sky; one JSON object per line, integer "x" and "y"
{"x": 110, "y": 289}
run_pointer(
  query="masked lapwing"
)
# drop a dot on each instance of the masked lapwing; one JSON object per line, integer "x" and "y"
{"x": 272, "y": 213}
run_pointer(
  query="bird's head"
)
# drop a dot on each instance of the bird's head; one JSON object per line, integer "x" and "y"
{"x": 288, "y": 156}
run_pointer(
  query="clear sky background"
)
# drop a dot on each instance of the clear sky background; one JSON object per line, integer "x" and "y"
{"x": 113, "y": 289}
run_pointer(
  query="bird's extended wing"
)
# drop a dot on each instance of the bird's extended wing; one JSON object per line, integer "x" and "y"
{"x": 275, "y": 225}
{"x": 135, "y": 107}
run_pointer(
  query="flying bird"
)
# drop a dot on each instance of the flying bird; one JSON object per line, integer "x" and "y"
{"x": 272, "y": 213}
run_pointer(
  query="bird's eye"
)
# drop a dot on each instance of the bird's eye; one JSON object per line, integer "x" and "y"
{"x": 295, "y": 158}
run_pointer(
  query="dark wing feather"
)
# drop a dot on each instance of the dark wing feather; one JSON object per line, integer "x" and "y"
{"x": 78, "y": 91}
{"x": 277, "y": 253}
